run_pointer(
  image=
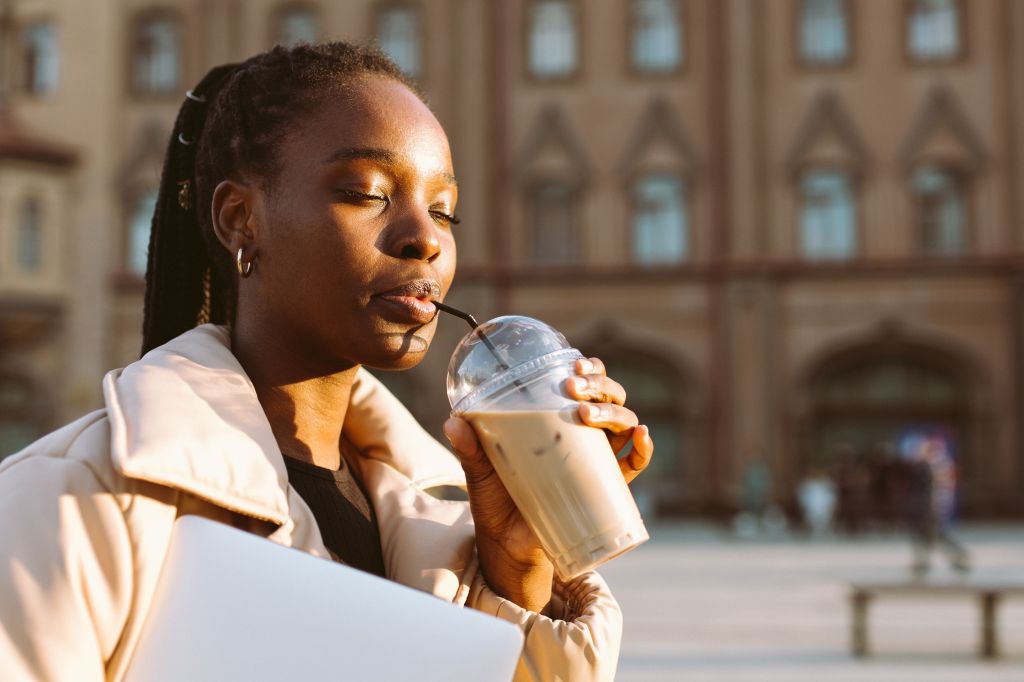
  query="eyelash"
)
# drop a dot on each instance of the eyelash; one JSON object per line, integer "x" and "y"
{"x": 447, "y": 218}
{"x": 439, "y": 216}
{"x": 353, "y": 194}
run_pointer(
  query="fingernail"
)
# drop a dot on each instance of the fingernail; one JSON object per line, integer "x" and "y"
{"x": 447, "y": 433}
{"x": 595, "y": 411}
{"x": 586, "y": 366}
{"x": 579, "y": 383}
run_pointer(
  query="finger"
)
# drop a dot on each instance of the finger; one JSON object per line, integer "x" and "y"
{"x": 614, "y": 418}
{"x": 596, "y": 387}
{"x": 590, "y": 366}
{"x": 639, "y": 456}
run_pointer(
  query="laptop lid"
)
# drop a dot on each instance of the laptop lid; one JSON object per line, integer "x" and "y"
{"x": 233, "y": 606}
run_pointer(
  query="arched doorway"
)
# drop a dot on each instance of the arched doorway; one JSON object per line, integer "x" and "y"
{"x": 662, "y": 398}
{"x": 868, "y": 403}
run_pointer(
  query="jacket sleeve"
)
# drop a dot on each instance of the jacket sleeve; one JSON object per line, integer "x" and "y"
{"x": 65, "y": 573}
{"x": 579, "y": 644}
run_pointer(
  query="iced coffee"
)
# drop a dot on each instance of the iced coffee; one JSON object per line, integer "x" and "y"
{"x": 562, "y": 474}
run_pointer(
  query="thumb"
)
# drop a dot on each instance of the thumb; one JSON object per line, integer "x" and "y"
{"x": 467, "y": 447}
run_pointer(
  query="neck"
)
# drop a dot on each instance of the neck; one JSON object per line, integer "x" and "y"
{"x": 305, "y": 404}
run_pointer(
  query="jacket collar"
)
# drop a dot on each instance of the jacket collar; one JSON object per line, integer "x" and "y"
{"x": 187, "y": 416}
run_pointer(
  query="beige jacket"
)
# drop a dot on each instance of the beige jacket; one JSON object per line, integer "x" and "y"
{"x": 86, "y": 514}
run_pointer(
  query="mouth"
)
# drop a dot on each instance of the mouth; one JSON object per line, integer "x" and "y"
{"x": 412, "y": 301}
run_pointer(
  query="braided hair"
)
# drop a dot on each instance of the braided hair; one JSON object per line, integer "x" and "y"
{"x": 230, "y": 126}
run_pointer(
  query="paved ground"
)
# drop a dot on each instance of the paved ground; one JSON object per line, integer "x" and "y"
{"x": 700, "y": 605}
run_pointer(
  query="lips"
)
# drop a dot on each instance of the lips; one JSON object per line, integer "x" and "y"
{"x": 412, "y": 301}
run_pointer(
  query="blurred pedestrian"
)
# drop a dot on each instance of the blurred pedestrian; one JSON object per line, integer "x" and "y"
{"x": 853, "y": 483}
{"x": 931, "y": 473}
{"x": 755, "y": 498}
{"x": 884, "y": 487}
{"x": 817, "y": 497}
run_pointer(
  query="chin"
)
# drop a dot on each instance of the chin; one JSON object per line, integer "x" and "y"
{"x": 401, "y": 351}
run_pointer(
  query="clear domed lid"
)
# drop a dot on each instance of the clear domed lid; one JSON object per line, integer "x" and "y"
{"x": 499, "y": 352}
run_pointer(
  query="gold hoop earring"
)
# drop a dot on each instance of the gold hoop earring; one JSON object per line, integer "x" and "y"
{"x": 244, "y": 269}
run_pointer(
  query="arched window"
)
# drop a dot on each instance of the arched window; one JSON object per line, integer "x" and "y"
{"x": 156, "y": 55}
{"x": 40, "y": 59}
{"x": 399, "y": 34}
{"x": 828, "y": 215}
{"x": 552, "y": 38}
{"x": 660, "y": 232}
{"x": 941, "y": 210}
{"x": 554, "y": 234}
{"x": 824, "y": 32}
{"x": 934, "y": 30}
{"x": 657, "y": 35}
{"x": 137, "y": 253}
{"x": 30, "y": 235}
{"x": 296, "y": 24}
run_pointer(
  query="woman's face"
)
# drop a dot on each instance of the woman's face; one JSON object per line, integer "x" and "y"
{"x": 355, "y": 236}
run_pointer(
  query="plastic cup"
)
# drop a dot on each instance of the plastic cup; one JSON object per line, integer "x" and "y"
{"x": 507, "y": 379}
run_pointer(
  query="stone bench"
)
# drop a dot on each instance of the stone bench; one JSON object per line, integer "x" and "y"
{"x": 988, "y": 593}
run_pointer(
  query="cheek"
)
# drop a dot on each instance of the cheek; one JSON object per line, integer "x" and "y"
{"x": 318, "y": 250}
{"x": 447, "y": 270}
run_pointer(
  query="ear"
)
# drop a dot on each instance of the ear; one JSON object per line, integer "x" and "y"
{"x": 233, "y": 215}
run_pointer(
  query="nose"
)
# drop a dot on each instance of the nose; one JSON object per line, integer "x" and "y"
{"x": 415, "y": 238}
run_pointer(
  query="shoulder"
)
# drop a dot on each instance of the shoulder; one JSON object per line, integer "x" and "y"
{"x": 80, "y": 448}
{"x": 68, "y": 584}
{"x": 381, "y": 429}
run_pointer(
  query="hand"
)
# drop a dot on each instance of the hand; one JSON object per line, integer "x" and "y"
{"x": 605, "y": 410}
{"x": 511, "y": 558}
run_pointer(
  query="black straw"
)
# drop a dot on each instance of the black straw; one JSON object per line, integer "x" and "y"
{"x": 474, "y": 324}
{"x": 458, "y": 313}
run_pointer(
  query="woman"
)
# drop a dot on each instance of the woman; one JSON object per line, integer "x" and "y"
{"x": 305, "y": 211}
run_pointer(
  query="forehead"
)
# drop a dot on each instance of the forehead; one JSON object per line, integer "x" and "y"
{"x": 372, "y": 112}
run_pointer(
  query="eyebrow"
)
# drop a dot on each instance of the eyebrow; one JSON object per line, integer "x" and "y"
{"x": 382, "y": 156}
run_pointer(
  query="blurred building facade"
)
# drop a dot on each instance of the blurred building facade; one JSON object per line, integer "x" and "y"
{"x": 793, "y": 229}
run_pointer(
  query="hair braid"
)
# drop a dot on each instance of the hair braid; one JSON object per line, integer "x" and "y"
{"x": 235, "y": 133}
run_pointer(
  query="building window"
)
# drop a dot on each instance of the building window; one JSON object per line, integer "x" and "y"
{"x": 657, "y": 36}
{"x": 933, "y": 30}
{"x": 22, "y": 413}
{"x": 941, "y": 210}
{"x": 824, "y": 32}
{"x": 40, "y": 59}
{"x": 553, "y": 43}
{"x": 30, "y": 236}
{"x": 398, "y": 35}
{"x": 659, "y": 219}
{"x": 554, "y": 238}
{"x": 137, "y": 254}
{"x": 296, "y": 24}
{"x": 156, "y": 56}
{"x": 828, "y": 215}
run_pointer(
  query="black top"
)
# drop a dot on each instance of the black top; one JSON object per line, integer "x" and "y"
{"x": 347, "y": 523}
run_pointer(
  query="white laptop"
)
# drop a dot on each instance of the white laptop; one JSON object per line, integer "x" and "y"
{"x": 234, "y": 606}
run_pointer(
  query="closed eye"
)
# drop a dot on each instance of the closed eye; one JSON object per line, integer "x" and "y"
{"x": 443, "y": 218}
{"x": 357, "y": 196}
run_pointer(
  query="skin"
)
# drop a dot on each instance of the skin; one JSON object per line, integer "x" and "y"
{"x": 361, "y": 205}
